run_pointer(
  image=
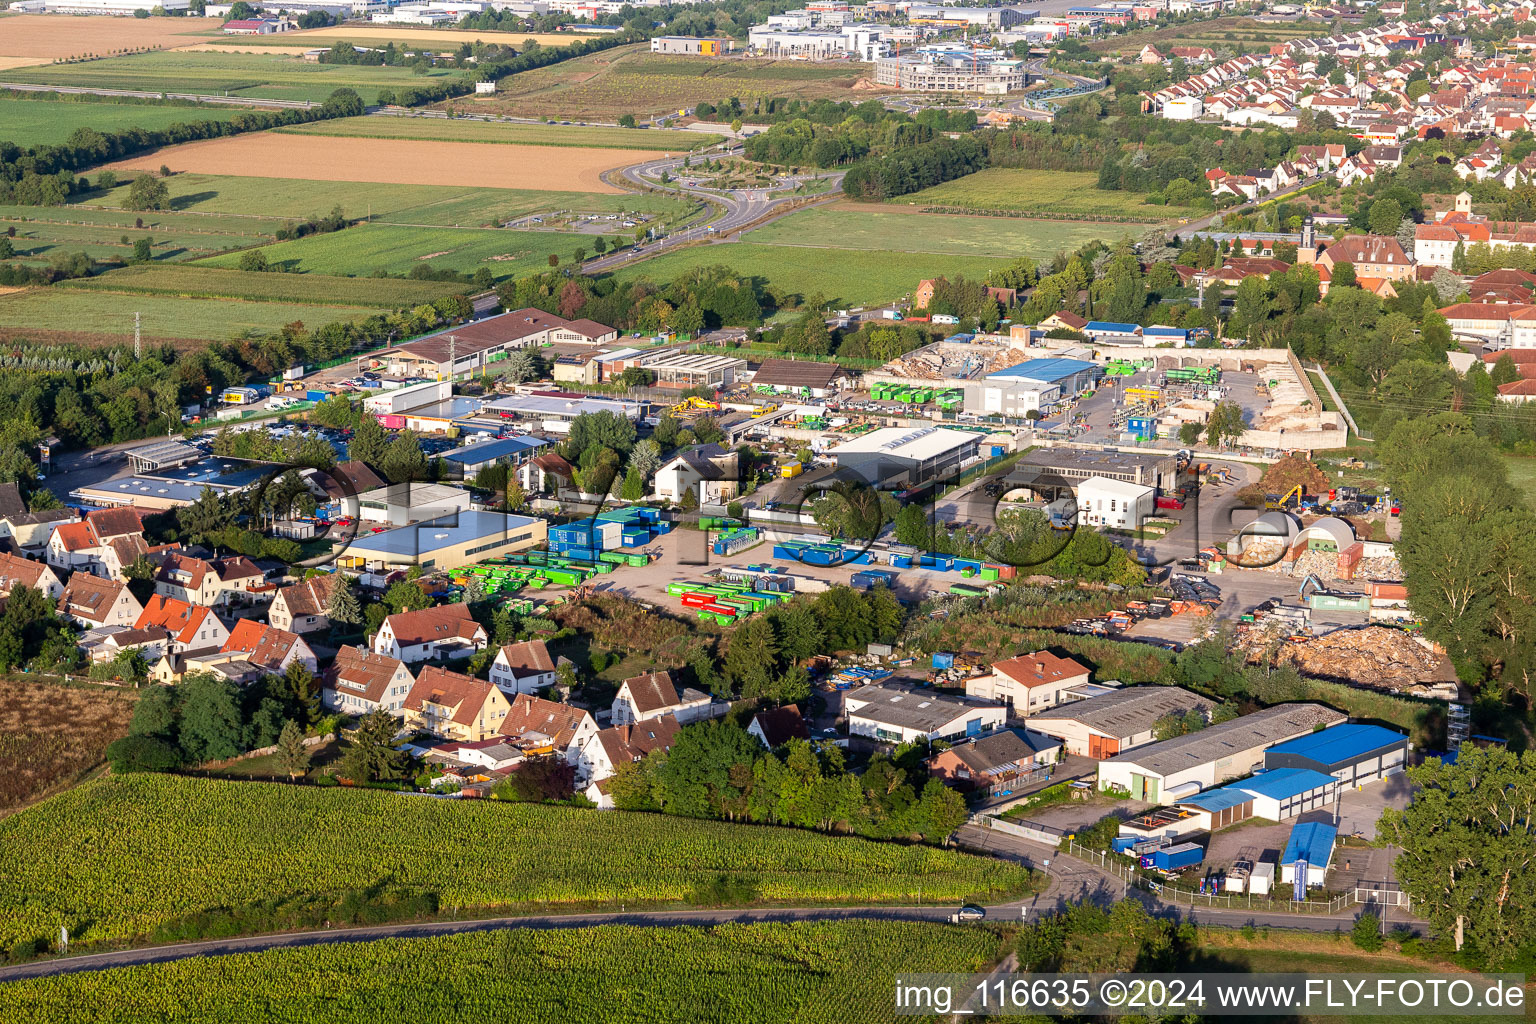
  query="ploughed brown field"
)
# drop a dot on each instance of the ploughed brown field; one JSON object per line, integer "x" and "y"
{"x": 398, "y": 161}
{"x": 40, "y": 38}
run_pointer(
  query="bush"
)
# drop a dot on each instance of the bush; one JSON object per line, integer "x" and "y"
{"x": 1366, "y": 934}
{"x": 142, "y": 754}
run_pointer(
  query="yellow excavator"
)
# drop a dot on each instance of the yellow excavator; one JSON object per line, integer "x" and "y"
{"x": 1291, "y": 500}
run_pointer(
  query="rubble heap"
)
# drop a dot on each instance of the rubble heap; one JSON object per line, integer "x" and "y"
{"x": 1373, "y": 656}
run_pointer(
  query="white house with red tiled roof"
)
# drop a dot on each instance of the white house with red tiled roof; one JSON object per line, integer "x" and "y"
{"x": 24, "y": 572}
{"x": 1030, "y": 682}
{"x": 444, "y": 631}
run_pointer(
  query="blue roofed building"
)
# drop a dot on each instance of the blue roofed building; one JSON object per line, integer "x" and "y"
{"x": 1353, "y": 753}
{"x": 1113, "y": 333}
{"x": 1071, "y": 376}
{"x": 1274, "y": 796}
{"x": 463, "y": 463}
{"x": 1312, "y": 843}
{"x": 1178, "y": 337}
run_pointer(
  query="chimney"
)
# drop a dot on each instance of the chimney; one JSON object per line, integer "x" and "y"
{"x": 1040, "y": 667}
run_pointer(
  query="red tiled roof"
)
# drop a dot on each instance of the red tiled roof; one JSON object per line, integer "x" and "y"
{"x": 1039, "y": 668}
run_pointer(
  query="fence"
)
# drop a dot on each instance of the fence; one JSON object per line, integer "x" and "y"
{"x": 1367, "y": 893}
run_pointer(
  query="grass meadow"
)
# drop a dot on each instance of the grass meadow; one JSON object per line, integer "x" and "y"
{"x": 262, "y": 75}
{"x": 28, "y": 122}
{"x": 179, "y": 279}
{"x": 397, "y": 249}
{"x": 1069, "y": 194}
{"x": 874, "y": 227}
{"x": 56, "y": 312}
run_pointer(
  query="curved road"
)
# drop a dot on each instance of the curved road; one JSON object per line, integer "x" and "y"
{"x": 737, "y": 208}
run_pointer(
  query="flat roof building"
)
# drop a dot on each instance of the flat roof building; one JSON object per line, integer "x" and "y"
{"x": 897, "y": 455}
{"x": 1187, "y": 764}
{"x": 1354, "y": 753}
{"x": 1057, "y": 472}
{"x": 556, "y": 408}
{"x": 411, "y": 502}
{"x": 448, "y": 542}
{"x": 462, "y": 463}
{"x": 1115, "y": 722}
{"x": 163, "y": 455}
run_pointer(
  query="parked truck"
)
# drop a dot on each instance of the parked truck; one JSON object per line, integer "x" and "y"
{"x": 1174, "y": 858}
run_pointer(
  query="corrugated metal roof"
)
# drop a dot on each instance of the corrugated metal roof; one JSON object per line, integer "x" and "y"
{"x": 499, "y": 448}
{"x": 1311, "y": 841}
{"x": 1217, "y": 799}
{"x": 1284, "y": 783}
{"x": 1340, "y": 743}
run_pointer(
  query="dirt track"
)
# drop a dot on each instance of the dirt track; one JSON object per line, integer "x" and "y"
{"x": 399, "y": 161}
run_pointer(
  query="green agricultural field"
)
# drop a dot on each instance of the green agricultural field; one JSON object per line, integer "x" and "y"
{"x": 395, "y": 249}
{"x": 460, "y": 129}
{"x": 269, "y": 76}
{"x": 871, "y": 227}
{"x": 1069, "y": 194}
{"x": 279, "y": 199}
{"x": 83, "y": 311}
{"x": 604, "y": 86}
{"x": 728, "y": 974}
{"x": 845, "y": 277}
{"x": 49, "y": 122}
{"x": 310, "y": 289}
{"x": 149, "y": 850}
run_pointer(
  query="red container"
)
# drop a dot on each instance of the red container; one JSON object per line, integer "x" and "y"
{"x": 1173, "y": 503}
{"x": 721, "y": 609}
{"x": 697, "y": 600}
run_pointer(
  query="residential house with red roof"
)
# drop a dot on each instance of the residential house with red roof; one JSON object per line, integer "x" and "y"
{"x": 1030, "y": 682}
{"x": 301, "y": 607}
{"x": 191, "y": 627}
{"x": 16, "y": 571}
{"x": 268, "y": 648}
{"x": 215, "y": 582}
{"x": 444, "y": 631}
{"x": 92, "y": 602}
{"x": 777, "y": 726}
{"x": 525, "y": 667}
{"x": 105, "y": 542}
{"x": 538, "y": 727}
{"x": 360, "y": 681}
{"x": 654, "y": 695}
{"x": 602, "y": 754}
{"x": 453, "y": 706}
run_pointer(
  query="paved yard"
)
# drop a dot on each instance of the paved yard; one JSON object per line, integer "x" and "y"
{"x": 1078, "y": 814}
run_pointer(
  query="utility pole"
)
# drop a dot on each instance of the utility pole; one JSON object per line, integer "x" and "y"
{"x": 453, "y": 344}
{"x": 138, "y": 352}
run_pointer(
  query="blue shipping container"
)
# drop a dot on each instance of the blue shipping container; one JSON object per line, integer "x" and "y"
{"x": 943, "y": 660}
{"x": 1174, "y": 858}
{"x": 997, "y": 451}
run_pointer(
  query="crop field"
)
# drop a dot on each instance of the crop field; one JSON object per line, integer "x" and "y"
{"x": 816, "y": 973}
{"x": 861, "y": 226}
{"x": 413, "y": 37}
{"x": 396, "y": 249}
{"x": 1214, "y": 33}
{"x": 461, "y": 129}
{"x": 262, "y": 204}
{"x": 149, "y": 849}
{"x": 51, "y": 734}
{"x": 43, "y": 37}
{"x": 37, "y": 239}
{"x": 49, "y": 313}
{"x": 1062, "y": 194}
{"x": 34, "y": 122}
{"x": 270, "y": 76}
{"x": 844, "y": 277}
{"x": 310, "y": 289}
{"x": 626, "y": 80}
{"x": 410, "y": 161}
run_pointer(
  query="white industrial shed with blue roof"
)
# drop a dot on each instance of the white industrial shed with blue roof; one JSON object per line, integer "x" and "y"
{"x": 465, "y": 462}
{"x": 1072, "y": 376}
{"x": 1311, "y": 843}
{"x": 1277, "y": 795}
{"x": 1354, "y": 753}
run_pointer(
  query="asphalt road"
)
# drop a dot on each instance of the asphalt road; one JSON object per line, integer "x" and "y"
{"x": 737, "y": 207}
{"x": 293, "y": 940}
{"x": 234, "y": 101}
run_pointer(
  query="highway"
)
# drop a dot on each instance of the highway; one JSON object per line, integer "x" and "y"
{"x": 232, "y": 101}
